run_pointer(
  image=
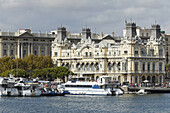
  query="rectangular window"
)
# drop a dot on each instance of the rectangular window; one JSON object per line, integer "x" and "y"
{"x": 136, "y": 52}
{"x": 24, "y": 52}
{"x": 143, "y": 69}
{"x": 55, "y": 53}
{"x": 160, "y": 52}
{"x": 86, "y": 54}
{"x": 12, "y": 52}
{"x": 24, "y": 44}
{"x": 152, "y": 52}
{"x": 142, "y": 34}
{"x": 148, "y": 67}
{"x": 153, "y": 67}
{"x": 90, "y": 54}
{"x": 4, "y": 52}
{"x": 125, "y": 52}
{"x": 146, "y": 34}
{"x": 160, "y": 66}
{"x": 42, "y": 52}
{"x": 136, "y": 66}
{"x": 35, "y": 52}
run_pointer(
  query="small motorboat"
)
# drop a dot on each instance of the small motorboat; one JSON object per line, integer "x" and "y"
{"x": 141, "y": 92}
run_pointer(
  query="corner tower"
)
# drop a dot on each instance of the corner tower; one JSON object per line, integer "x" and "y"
{"x": 130, "y": 29}
{"x": 155, "y": 31}
{"x": 86, "y": 32}
{"x": 61, "y": 34}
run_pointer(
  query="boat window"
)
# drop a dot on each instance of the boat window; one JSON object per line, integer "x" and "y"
{"x": 85, "y": 86}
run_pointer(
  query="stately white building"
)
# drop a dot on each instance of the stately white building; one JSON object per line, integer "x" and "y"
{"x": 24, "y": 42}
{"x": 135, "y": 57}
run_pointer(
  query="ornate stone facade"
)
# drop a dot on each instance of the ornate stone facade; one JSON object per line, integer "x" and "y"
{"x": 125, "y": 58}
{"x": 23, "y": 43}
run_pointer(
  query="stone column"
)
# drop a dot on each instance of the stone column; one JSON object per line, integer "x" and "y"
{"x": 8, "y": 50}
{"x": 21, "y": 50}
{"x": 46, "y": 49}
{"x": 28, "y": 49}
{"x": 18, "y": 50}
{"x": 32, "y": 48}
{"x": 2, "y": 52}
{"x": 15, "y": 53}
{"x": 39, "y": 53}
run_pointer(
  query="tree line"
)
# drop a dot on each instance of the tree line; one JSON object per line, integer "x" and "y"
{"x": 32, "y": 66}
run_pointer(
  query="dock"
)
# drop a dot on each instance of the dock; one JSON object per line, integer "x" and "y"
{"x": 150, "y": 89}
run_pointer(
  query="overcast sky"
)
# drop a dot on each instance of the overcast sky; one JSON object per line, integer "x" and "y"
{"x": 99, "y": 15}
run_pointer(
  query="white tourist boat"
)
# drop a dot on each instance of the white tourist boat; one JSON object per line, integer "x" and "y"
{"x": 17, "y": 87}
{"x": 103, "y": 86}
{"x": 7, "y": 87}
{"x": 27, "y": 89}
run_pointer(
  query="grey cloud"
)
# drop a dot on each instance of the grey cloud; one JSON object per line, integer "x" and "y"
{"x": 99, "y": 15}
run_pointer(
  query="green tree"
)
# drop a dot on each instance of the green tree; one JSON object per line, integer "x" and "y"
{"x": 6, "y": 63}
{"x": 63, "y": 72}
{"x": 167, "y": 68}
{"x": 18, "y": 72}
{"x": 5, "y": 74}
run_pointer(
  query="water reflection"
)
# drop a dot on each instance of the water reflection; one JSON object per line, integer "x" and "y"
{"x": 72, "y": 104}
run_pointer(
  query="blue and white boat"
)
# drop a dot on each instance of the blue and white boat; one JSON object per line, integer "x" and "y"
{"x": 79, "y": 86}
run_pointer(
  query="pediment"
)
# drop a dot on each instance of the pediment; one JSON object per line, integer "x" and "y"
{"x": 107, "y": 37}
{"x": 26, "y": 34}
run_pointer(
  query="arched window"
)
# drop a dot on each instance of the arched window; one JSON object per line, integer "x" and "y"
{"x": 109, "y": 66}
{"x": 160, "y": 79}
{"x": 115, "y": 67}
{"x": 136, "y": 79}
{"x": 78, "y": 66}
{"x": 118, "y": 65}
{"x": 92, "y": 78}
{"x": 149, "y": 78}
{"x": 160, "y": 52}
{"x": 119, "y": 79}
{"x": 97, "y": 77}
{"x": 153, "y": 79}
{"x": 97, "y": 67}
{"x": 143, "y": 78}
{"x": 92, "y": 66}
{"x": 125, "y": 78}
{"x": 83, "y": 67}
{"x": 142, "y": 52}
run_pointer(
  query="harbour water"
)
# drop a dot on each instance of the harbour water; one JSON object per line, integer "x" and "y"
{"x": 158, "y": 103}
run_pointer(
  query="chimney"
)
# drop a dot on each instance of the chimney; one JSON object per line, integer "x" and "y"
{"x": 102, "y": 34}
{"x": 113, "y": 34}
